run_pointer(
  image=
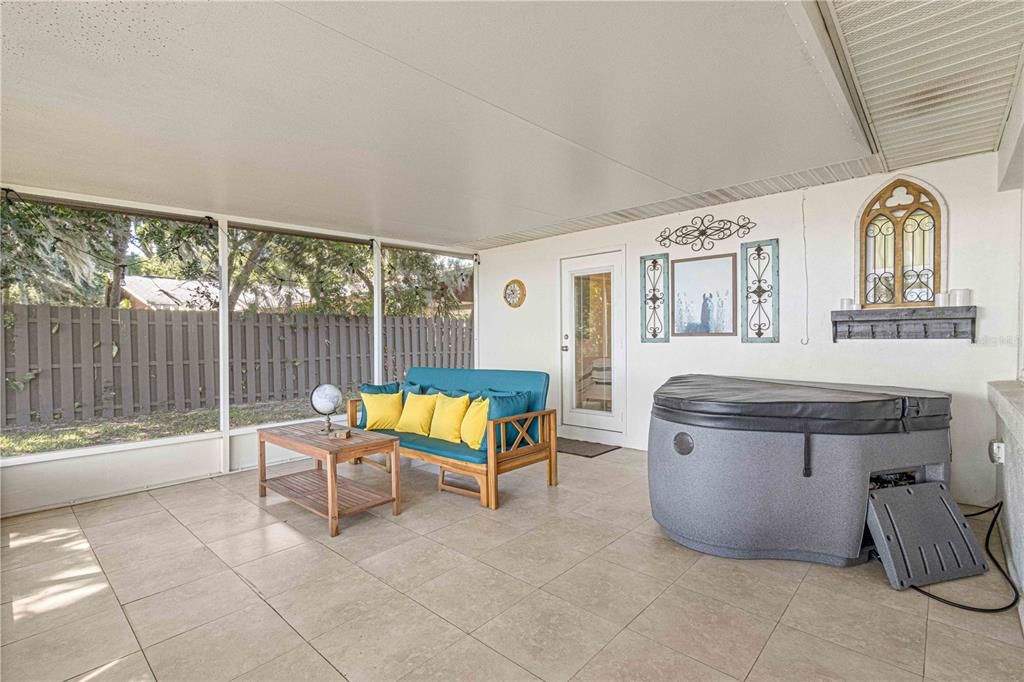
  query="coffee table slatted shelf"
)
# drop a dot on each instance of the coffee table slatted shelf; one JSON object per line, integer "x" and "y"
{"x": 336, "y": 496}
{"x": 308, "y": 489}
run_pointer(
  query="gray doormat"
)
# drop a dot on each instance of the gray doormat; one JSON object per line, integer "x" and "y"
{"x": 583, "y": 448}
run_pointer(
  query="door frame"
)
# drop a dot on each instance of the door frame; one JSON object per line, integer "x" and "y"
{"x": 616, "y": 422}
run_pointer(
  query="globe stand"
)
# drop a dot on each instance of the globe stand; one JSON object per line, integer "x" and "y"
{"x": 332, "y": 432}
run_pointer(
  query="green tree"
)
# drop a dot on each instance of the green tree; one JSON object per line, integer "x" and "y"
{"x": 76, "y": 256}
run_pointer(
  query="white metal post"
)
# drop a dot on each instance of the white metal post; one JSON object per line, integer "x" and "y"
{"x": 378, "y": 313}
{"x": 223, "y": 345}
{"x": 476, "y": 310}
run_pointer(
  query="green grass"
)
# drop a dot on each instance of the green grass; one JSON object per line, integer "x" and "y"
{"x": 37, "y": 438}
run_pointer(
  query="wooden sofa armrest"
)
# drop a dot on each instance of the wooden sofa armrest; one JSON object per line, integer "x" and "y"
{"x": 353, "y": 411}
{"x": 497, "y": 436}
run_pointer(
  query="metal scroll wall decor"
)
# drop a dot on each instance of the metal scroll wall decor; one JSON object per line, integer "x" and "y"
{"x": 653, "y": 273}
{"x": 703, "y": 231}
{"x": 760, "y": 291}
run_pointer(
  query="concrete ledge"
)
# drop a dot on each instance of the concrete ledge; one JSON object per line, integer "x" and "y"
{"x": 1007, "y": 397}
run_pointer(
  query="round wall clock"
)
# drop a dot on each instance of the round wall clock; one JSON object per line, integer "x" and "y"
{"x": 515, "y": 293}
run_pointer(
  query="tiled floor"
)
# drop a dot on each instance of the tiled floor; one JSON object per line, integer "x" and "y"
{"x": 206, "y": 582}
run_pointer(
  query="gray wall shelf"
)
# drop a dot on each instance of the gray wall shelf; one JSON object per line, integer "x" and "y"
{"x": 949, "y": 322}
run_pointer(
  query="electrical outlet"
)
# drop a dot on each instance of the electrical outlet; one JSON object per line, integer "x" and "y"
{"x": 997, "y": 451}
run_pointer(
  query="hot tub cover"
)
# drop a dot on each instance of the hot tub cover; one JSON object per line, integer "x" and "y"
{"x": 798, "y": 406}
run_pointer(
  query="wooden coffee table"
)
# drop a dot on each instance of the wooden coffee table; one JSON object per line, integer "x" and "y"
{"x": 322, "y": 491}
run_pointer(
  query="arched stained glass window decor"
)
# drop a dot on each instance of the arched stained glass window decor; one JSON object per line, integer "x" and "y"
{"x": 900, "y": 247}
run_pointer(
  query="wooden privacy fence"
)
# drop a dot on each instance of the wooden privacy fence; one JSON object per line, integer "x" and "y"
{"x": 69, "y": 364}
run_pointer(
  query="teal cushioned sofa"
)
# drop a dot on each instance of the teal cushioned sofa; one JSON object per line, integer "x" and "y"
{"x": 512, "y": 442}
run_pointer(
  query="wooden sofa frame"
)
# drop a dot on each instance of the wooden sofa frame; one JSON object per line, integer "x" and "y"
{"x": 502, "y": 456}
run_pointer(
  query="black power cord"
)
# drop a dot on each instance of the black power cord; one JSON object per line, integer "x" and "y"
{"x": 998, "y": 508}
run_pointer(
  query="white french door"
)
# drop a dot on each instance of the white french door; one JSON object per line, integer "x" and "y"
{"x": 593, "y": 341}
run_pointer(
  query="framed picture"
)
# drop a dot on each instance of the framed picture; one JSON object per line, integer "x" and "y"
{"x": 704, "y": 296}
{"x": 760, "y": 289}
{"x": 654, "y": 298}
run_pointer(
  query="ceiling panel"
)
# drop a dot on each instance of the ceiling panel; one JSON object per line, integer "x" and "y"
{"x": 441, "y": 123}
{"x": 699, "y": 94}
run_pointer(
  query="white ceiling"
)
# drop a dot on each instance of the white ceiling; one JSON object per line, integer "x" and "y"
{"x": 451, "y": 123}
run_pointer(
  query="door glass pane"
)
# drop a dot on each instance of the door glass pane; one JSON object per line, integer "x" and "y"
{"x": 592, "y": 297}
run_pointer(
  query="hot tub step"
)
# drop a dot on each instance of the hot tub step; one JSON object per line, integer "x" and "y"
{"x": 921, "y": 536}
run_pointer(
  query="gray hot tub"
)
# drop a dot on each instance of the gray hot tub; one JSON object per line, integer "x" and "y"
{"x": 760, "y": 468}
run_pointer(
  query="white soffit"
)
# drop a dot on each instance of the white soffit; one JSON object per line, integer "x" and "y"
{"x": 442, "y": 123}
{"x": 836, "y": 172}
{"x": 935, "y": 79}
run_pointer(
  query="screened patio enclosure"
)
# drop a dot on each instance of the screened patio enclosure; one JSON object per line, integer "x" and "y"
{"x": 144, "y": 345}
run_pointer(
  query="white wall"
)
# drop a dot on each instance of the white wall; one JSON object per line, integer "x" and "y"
{"x": 984, "y": 229}
{"x": 27, "y": 485}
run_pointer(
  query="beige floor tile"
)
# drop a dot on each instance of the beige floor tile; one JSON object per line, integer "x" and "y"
{"x": 69, "y": 650}
{"x": 957, "y": 655}
{"x": 548, "y": 636}
{"x": 652, "y": 527}
{"x": 556, "y": 497}
{"x": 868, "y": 583}
{"x": 1004, "y": 626}
{"x": 18, "y": 531}
{"x": 470, "y": 595}
{"x": 224, "y": 648}
{"x": 594, "y": 483}
{"x": 114, "y": 509}
{"x": 413, "y": 563}
{"x": 632, "y": 657}
{"x": 58, "y": 515}
{"x": 27, "y": 580}
{"x": 715, "y": 633}
{"x": 469, "y": 660}
{"x": 755, "y": 586}
{"x": 387, "y": 642}
{"x": 57, "y": 604}
{"x": 220, "y": 526}
{"x": 475, "y": 535}
{"x": 209, "y": 505}
{"x": 317, "y": 606}
{"x": 579, "y": 532}
{"x": 303, "y": 664}
{"x": 651, "y": 555}
{"x": 125, "y": 530}
{"x": 291, "y": 567}
{"x": 130, "y": 668}
{"x": 613, "y": 592}
{"x": 149, "y": 576}
{"x": 794, "y": 655}
{"x": 164, "y": 615}
{"x": 253, "y": 544}
{"x": 122, "y": 555}
{"x": 429, "y": 513}
{"x": 520, "y": 512}
{"x": 365, "y": 536}
{"x": 614, "y": 510}
{"x": 532, "y": 558}
{"x": 44, "y": 546}
{"x": 874, "y": 630}
{"x": 182, "y": 490}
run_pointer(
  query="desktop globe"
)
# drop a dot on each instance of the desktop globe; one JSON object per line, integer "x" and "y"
{"x": 327, "y": 399}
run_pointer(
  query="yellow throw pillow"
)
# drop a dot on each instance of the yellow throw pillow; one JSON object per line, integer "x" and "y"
{"x": 417, "y": 414}
{"x": 448, "y": 414}
{"x": 383, "y": 410}
{"x": 475, "y": 423}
